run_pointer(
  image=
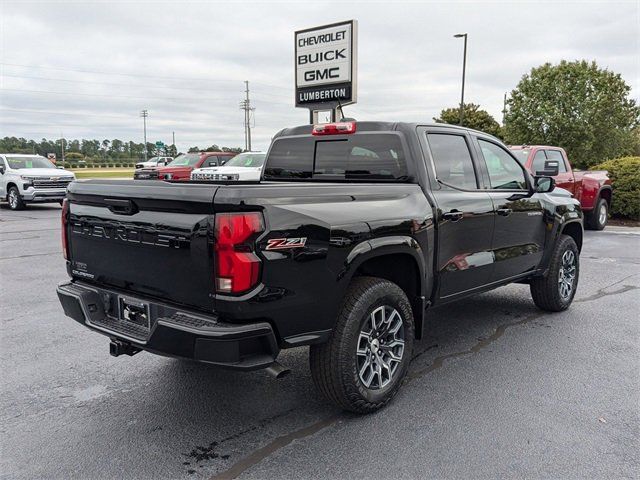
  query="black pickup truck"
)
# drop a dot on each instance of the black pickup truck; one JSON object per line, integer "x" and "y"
{"x": 355, "y": 230}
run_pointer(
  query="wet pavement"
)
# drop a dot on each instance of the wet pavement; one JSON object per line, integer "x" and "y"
{"x": 496, "y": 389}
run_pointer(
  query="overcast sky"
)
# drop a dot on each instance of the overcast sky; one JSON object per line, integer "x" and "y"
{"x": 86, "y": 69}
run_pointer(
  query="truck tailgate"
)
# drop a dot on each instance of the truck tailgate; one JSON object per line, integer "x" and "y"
{"x": 148, "y": 237}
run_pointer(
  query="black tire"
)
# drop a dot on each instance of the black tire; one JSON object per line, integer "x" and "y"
{"x": 597, "y": 219}
{"x": 335, "y": 364}
{"x": 15, "y": 199}
{"x": 547, "y": 292}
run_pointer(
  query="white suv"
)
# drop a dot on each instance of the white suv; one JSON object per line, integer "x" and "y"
{"x": 243, "y": 167}
{"x": 155, "y": 162}
{"x": 31, "y": 178}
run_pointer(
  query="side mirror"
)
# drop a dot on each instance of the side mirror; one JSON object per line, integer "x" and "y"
{"x": 2, "y": 169}
{"x": 551, "y": 169}
{"x": 545, "y": 184}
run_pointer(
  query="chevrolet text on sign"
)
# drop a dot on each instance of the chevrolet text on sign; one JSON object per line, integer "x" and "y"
{"x": 325, "y": 65}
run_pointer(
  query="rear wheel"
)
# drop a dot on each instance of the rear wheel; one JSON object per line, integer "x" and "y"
{"x": 362, "y": 366}
{"x": 14, "y": 199}
{"x": 556, "y": 290}
{"x": 597, "y": 219}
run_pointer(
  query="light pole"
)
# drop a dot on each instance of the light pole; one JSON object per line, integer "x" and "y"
{"x": 144, "y": 114}
{"x": 464, "y": 68}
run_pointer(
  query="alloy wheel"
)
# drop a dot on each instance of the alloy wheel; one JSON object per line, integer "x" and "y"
{"x": 602, "y": 214}
{"x": 13, "y": 199}
{"x": 380, "y": 347}
{"x": 567, "y": 274}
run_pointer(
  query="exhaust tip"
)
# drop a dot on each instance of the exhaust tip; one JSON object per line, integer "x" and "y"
{"x": 277, "y": 371}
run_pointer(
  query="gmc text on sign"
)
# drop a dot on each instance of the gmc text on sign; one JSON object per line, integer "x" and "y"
{"x": 325, "y": 65}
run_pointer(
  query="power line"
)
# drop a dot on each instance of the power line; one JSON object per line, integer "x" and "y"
{"x": 134, "y": 85}
{"x": 138, "y": 97}
{"x": 99, "y": 72}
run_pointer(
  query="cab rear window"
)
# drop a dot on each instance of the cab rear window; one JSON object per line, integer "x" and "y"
{"x": 357, "y": 157}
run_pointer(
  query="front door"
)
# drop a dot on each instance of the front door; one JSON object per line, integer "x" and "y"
{"x": 564, "y": 179}
{"x": 464, "y": 215}
{"x": 519, "y": 231}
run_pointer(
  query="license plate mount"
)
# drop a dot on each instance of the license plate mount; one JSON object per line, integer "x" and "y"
{"x": 134, "y": 311}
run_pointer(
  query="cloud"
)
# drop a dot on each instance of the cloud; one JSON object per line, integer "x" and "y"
{"x": 87, "y": 69}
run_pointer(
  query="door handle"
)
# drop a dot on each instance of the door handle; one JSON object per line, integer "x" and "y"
{"x": 453, "y": 215}
{"x": 505, "y": 212}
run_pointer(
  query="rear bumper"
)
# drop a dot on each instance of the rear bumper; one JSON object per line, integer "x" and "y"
{"x": 173, "y": 332}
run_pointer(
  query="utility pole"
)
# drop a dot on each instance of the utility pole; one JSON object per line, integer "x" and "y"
{"x": 504, "y": 107}
{"x": 173, "y": 144}
{"x": 246, "y": 106}
{"x": 464, "y": 68}
{"x": 144, "y": 114}
{"x": 62, "y": 145}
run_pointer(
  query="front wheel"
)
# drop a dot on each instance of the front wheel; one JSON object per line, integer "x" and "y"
{"x": 363, "y": 364}
{"x": 597, "y": 219}
{"x": 14, "y": 199}
{"x": 556, "y": 290}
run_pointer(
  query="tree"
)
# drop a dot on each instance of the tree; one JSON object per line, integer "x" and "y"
{"x": 474, "y": 118}
{"x": 577, "y": 106}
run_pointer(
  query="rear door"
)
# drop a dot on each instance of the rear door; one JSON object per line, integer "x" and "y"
{"x": 150, "y": 238}
{"x": 519, "y": 232}
{"x": 464, "y": 213}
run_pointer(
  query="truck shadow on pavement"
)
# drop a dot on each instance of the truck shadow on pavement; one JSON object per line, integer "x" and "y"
{"x": 226, "y": 402}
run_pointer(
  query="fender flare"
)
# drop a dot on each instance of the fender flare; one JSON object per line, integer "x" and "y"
{"x": 558, "y": 230}
{"x": 608, "y": 188}
{"x": 392, "y": 245}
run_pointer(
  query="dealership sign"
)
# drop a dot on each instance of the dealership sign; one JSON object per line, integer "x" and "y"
{"x": 326, "y": 60}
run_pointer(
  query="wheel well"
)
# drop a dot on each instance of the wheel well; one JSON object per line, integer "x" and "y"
{"x": 402, "y": 270}
{"x": 9, "y": 185}
{"x": 606, "y": 194}
{"x": 574, "y": 231}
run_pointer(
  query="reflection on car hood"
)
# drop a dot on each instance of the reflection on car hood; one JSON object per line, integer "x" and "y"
{"x": 228, "y": 170}
{"x": 44, "y": 172}
{"x": 560, "y": 192}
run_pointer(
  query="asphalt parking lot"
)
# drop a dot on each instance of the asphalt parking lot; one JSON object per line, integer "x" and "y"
{"x": 497, "y": 389}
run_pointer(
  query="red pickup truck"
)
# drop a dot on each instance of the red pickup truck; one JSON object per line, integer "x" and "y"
{"x": 180, "y": 168}
{"x": 592, "y": 189}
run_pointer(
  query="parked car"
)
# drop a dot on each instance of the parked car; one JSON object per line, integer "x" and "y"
{"x": 180, "y": 168}
{"x": 592, "y": 188}
{"x": 155, "y": 162}
{"x": 30, "y": 179}
{"x": 243, "y": 167}
{"x": 354, "y": 233}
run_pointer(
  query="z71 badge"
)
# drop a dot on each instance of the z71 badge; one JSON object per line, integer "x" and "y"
{"x": 282, "y": 243}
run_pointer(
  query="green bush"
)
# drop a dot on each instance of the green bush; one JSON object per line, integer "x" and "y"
{"x": 625, "y": 176}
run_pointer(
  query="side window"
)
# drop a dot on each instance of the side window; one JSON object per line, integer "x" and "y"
{"x": 557, "y": 155}
{"x": 452, "y": 160}
{"x": 538, "y": 161}
{"x": 505, "y": 173}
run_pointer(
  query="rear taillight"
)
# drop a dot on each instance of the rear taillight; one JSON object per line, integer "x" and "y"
{"x": 339, "y": 128}
{"x": 237, "y": 265}
{"x": 64, "y": 220}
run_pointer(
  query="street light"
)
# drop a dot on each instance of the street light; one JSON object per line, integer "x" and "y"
{"x": 464, "y": 68}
